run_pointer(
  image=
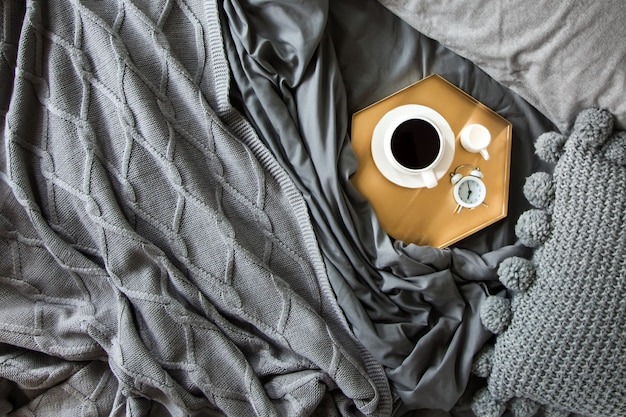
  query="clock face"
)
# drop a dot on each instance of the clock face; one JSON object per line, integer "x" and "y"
{"x": 470, "y": 192}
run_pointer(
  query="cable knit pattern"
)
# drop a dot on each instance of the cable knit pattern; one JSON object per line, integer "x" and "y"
{"x": 565, "y": 345}
{"x": 156, "y": 260}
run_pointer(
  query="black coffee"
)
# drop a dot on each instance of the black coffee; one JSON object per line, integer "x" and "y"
{"x": 415, "y": 144}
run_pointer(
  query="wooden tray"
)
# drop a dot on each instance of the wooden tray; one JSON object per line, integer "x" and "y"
{"x": 427, "y": 216}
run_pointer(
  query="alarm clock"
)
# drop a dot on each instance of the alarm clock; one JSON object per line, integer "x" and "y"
{"x": 469, "y": 190}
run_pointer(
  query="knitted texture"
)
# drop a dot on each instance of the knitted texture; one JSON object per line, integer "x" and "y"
{"x": 155, "y": 258}
{"x": 565, "y": 345}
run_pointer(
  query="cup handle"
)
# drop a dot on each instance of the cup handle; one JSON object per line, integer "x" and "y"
{"x": 485, "y": 154}
{"x": 429, "y": 179}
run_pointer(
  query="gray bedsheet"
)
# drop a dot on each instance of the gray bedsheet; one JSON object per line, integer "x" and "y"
{"x": 413, "y": 307}
{"x": 163, "y": 255}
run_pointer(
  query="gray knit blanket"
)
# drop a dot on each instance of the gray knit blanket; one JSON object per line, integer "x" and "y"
{"x": 156, "y": 260}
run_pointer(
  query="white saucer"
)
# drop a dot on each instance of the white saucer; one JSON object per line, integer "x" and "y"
{"x": 393, "y": 174}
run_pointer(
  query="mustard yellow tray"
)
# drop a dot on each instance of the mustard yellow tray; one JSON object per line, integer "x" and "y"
{"x": 428, "y": 216}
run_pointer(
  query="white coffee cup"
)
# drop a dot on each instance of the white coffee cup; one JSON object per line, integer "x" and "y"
{"x": 476, "y": 138}
{"x": 414, "y": 145}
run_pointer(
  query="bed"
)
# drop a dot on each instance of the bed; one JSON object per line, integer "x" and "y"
{"x": 179, "y": 234}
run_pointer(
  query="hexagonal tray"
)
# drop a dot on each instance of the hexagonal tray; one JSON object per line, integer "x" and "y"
{"x": 427, "y": 216}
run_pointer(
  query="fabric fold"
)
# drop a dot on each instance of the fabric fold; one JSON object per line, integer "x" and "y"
{"x": 156, "y": 259}
{"x": 414, "y": 308}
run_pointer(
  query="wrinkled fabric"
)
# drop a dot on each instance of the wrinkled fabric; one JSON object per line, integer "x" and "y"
{"x": 300, "y": 70}
{"x": 156, "y": 260}
{"x": 149, "y": 231}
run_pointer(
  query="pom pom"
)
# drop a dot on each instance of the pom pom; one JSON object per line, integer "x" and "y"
{"x": 484, "y": 405}
{"x": 615, "y": 149}
{"x": 522, "y": 407}
{"x": 516, "y": 273}
{"x": 549, "y": 146}
{"x": 533, "y": 227}
{"x": 593, "y": 125}
{"x": 539, "y": 190}
{"x": 495, "y": 314}
{"x": 483, "y": 362}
